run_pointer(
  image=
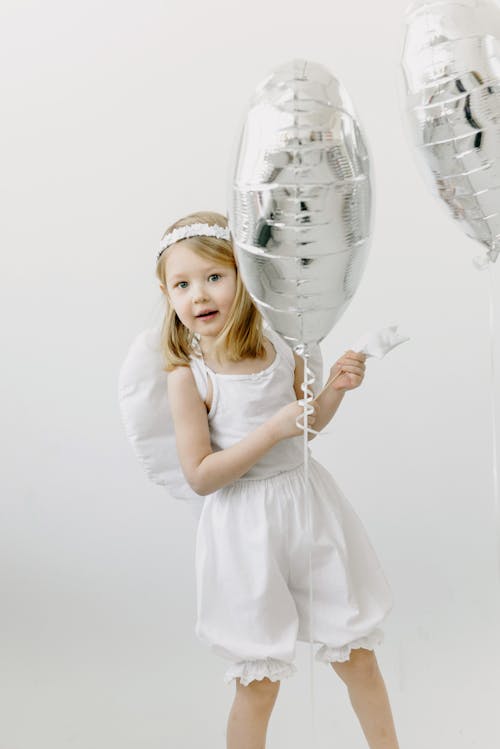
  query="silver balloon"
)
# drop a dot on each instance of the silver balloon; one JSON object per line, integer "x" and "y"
{"x": 300, "y": 202}
{"x": 451, "y": 65}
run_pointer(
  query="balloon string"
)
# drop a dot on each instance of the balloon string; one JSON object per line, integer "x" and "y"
{"x": 308, "y": 409}
{"x": 494, "y": 429}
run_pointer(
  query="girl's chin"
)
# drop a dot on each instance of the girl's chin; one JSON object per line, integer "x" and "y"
{"x": 209, "y": 328}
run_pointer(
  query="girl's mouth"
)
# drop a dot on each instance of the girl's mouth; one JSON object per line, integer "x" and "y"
{"x": 207, "y": 315}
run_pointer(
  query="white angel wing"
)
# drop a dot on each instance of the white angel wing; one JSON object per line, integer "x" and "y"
{"x": 145, "y": 413}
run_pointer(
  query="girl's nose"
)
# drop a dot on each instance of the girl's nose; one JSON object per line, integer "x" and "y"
{"x": 199, "y": 293}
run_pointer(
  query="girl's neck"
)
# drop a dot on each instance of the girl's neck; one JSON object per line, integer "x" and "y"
{"x": 207, "y": 347}
{"x": 250, "y": 365}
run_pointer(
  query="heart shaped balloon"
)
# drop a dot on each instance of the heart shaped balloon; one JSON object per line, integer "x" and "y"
{"x": 300, "y": 201}
{"x": 451, "y": 65}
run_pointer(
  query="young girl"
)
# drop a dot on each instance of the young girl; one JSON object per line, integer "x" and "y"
{"x": 233, "y": 389}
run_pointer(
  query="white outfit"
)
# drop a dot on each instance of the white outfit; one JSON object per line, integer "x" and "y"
{"x": 252, "y": 564}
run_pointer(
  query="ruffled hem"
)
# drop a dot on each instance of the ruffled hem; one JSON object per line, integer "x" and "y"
{"x": 269, "y": 668}
{"x": 329, "y": 653}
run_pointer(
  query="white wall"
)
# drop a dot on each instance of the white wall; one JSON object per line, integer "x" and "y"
{"x": 118, "y": 118}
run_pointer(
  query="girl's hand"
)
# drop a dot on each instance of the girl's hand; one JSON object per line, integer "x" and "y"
{"x": 352, "y": 366}
{"x": 283, "y": 422}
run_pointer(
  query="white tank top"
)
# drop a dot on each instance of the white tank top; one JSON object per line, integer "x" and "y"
{"x": 241, "y": 402}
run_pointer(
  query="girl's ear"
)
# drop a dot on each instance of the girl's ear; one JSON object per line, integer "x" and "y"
{"x": 163, "y": 289}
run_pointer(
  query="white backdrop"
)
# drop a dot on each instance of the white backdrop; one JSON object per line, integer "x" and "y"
{"x": 117, "y": 119}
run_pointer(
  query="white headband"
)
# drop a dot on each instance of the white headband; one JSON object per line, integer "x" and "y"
{"x": 194, "y": 230}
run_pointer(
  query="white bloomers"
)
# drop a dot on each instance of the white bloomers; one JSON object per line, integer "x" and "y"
{"x": 252, "y": 574}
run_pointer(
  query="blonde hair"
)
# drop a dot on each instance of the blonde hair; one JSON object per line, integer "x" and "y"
{"x": 242, "y": 336}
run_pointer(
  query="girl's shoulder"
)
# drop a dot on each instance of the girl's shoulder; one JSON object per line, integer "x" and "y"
{"x": 180, "y": 382}
{"x": 186, "y": 371}
{"x": 182, "y": 379}
{"x": 188, "y": 386}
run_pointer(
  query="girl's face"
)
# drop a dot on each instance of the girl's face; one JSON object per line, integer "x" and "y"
{"x": 197, "y": 285}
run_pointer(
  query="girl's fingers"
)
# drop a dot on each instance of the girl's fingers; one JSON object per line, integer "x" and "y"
{"x": 357, "y": 358}
{"x": 346, "y": 361}
{"x": 352, "y": 368}
{"x": 351, "y": 360}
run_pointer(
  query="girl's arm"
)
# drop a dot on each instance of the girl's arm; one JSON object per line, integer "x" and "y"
{"x": 327, "y": 403}
{"x": 207, "y": 471}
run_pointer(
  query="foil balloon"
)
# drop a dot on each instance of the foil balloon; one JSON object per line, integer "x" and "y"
{"x": 300, "y": 202}
{"x": 451, "y": 66}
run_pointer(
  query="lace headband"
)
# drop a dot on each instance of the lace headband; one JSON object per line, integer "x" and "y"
{"x": 194, "y": 230}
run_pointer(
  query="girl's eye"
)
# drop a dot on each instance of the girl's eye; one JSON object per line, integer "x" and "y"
{"x": 217, "y": 275}
{"x": 180, "y": 284}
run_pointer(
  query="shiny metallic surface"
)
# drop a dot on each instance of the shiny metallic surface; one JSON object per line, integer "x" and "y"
{"x": 300, "y": 201}
{"x": 451, "y": 66}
